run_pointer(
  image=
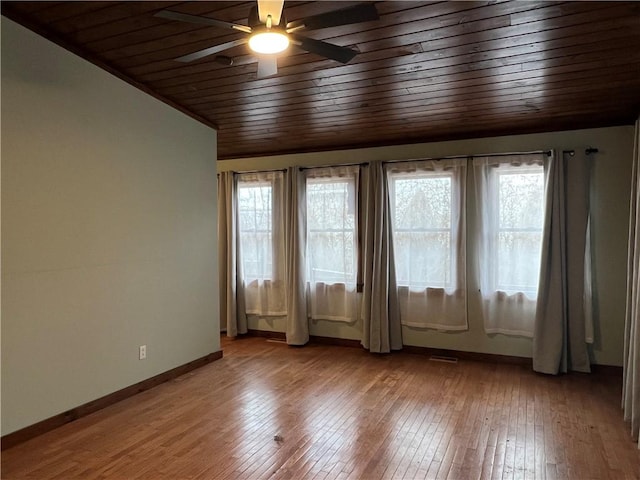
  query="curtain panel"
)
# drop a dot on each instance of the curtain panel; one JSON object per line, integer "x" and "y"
{"x": 232, "y": 307}
{"x": 509, "y": 193}
{"x": 295, "y": 229}
{"x": 382, "y": 331}
{"x": 631, "y": 359}
{"x": 428, "y": 216}
{"x": 331, "y": 259}
{"x": 561, "y": 328}
{"x": 260, "y": 198}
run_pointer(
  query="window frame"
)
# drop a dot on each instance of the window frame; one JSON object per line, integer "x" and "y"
{"x": 449, "y": 282}
{"x": 330, "y": 176}
{"x": 273, "y": 180}
{"x": 455, "y": 170}
{"x": 495, "y": 208}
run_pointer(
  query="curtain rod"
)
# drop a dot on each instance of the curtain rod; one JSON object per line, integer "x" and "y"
{"x": 544, "y": 152}
{"x": 260, "y": 171}
{"x": 454, "y": 157}
{"x": 587, "y": 151}
{"x": 336, "y": 165}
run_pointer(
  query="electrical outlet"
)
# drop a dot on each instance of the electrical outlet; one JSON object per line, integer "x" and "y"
{"x": 143, "y": 352}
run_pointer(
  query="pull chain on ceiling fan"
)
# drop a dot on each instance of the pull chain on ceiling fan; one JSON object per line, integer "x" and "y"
{"x": 269, "y": 33}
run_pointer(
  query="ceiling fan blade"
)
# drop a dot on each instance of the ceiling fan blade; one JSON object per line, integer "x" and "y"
{"x": 267, "y": 66}
{"x": 270, "y": 7}
{"x": 328, "y": 50}
{"x": 211, "y": 50}
{"x": 185, "y": 17}
{"x": 345, "y": 16}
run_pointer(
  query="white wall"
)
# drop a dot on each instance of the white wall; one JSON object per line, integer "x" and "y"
{"x": 611, "y": 189}
{"x": 108, "y": 232}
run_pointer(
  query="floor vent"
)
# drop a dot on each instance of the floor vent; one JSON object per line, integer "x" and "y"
{"x": 442, "y": 358}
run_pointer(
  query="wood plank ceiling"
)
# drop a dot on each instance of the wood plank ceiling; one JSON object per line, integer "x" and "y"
{"x": 426, "y": 71}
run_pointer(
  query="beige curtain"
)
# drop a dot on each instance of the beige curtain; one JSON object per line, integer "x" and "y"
{"x": 295, "y": 229}
{"x": 559, "y": 341}
{"x": 382, "y": 331}
{"x": 232, "y": 308}
{"x": 631, "y": 360}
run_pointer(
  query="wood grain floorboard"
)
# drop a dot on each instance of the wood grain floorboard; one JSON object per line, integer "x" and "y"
{"x": 269, "y": 411}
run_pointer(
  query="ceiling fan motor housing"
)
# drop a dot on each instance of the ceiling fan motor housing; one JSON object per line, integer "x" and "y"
{"x": 254, "y": 20}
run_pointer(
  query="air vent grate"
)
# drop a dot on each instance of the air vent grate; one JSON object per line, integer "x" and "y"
{"x": 443, "y": 358}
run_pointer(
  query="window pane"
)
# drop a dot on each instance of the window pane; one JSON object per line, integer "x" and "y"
{"x": 256, "y": 230}
{"x": 521, "y": 199}
{"x": 422, "y": 203}
{"x": 519, "y": 261}
{"x": 519, "y": 235}
{"x": 331, "y": 224}
{"x": 423, "y": 259}
{"x": 422, "y": 236}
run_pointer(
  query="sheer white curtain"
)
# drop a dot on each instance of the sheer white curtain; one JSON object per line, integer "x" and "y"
{"x": 562, "y": 326}
{"x": 631, "y": 360}
{"x": 331, "y": 200}
{"x": 510, "y": 200}
{"x": 232, "y": 309}
{"x": 260, "y": 198}
{"x": 427, "y": 204}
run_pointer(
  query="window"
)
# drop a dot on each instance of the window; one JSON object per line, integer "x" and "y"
{"x": 422, "y": 229}
{"x": 255, "y": 200}
{"x": 331, "y": 242}
{"x": 510, "y": 200}
{"x": 331, "y": 230}
{"x": 261, "y": 236}
{"x": 518, "y": 236}
{"x": 427, "y": 217}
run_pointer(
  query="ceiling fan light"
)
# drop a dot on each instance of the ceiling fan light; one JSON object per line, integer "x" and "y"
{"x": 268, "y": 42}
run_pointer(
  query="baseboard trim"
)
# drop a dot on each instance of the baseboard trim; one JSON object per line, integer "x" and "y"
{"x": 313, "y": 339}
{"x": 608, "y": 370}
{"x": 343, "y": 342}
{"x": 44, "y": 426}
{"x": 266, "y": 334}
{"x": 469, "y": 356}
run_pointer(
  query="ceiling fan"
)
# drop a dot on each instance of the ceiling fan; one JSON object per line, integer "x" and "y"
{"x": 269, "y": 34}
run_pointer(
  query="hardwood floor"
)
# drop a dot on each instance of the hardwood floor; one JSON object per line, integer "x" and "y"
{"x": 267, "y": 410}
